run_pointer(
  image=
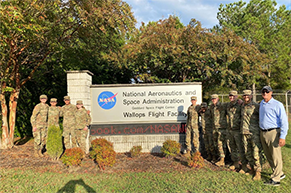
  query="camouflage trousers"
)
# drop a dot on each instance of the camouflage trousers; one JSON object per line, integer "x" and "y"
{"x": 69, "y": 135}
{"x": 220, "y": 141}
{"x": 236, "y": 145}
{"x": 195, "y": 139}
{"x": 253, "y": 149}
{"x": 81, "y": 137}
{"x": 208, "y": 142}
{"x": 39, "y": 138}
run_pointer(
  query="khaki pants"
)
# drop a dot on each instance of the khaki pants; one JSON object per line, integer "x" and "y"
{"x": 272, "y": 149}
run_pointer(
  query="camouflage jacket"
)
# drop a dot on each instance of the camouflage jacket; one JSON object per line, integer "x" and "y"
{"x": 83, "y": 119}
{"x": 250, "y": 118}
{"x": 39, "y": 115}
{"x": 69, "y": 114}
{"x": 234, "y": 115}
{"x": 218, "y": 115}
{"x": 192, "y": 116}
{"x": 54, "y": 114}
{"x": 206, "y": 121}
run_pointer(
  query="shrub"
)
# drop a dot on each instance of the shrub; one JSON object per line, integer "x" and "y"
{"x": 73, "y": 156}
{"x": 170, "y": 148}
{"x": 135, "y": 151}
{"x": 102, "y": 152}
{"x": 196, "y": 160}
{"x": 54, "y": 143}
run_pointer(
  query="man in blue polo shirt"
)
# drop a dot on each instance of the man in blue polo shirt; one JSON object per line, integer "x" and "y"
{"x": 274, "y": 128}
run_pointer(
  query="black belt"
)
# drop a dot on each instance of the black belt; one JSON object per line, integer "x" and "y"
{"x": 270, "y": 129}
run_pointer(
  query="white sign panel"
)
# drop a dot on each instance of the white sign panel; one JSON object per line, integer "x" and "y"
{"x": 142, "y": 103}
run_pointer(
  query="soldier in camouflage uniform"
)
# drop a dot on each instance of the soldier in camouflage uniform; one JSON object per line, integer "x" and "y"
{"x": 39, "y": 125}
{"x": 69, "y": 123}
{"x": 233, "y": 110}
{"x": 192, "y": 127}
{"x": 207, "y": 130}
{"x": 251, "y": 134}
{"x": 54, "y": 113}
{"x": 220, "y": 133}
{"x": 83, "y": 121}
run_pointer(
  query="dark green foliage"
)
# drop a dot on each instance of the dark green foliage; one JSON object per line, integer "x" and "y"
{"x": 54, "y": 144}
{"x": 73, "y": 156}
{"x": 135, "y": 151}
{"x": 102, "y": 152}
{"x": 170, "y": 148}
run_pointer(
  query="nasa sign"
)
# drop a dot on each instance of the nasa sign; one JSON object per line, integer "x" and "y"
{"x": 146, "y": 104}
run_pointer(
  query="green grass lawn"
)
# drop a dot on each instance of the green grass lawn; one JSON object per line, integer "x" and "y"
{"x": 202, "y": 180}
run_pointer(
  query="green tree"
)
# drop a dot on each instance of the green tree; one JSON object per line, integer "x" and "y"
{"x": 167, "y": 51}
{"x": 267, "y": 27}
{"x": 33, "y": 32}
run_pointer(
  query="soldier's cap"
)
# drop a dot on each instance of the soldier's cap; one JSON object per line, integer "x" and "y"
{"x": 66, "y": 97}
{"x": 193, "y": 98}
{"x": 79, "y": 102}
{"x": 214, "y": 96}
{"x": 247, "y": 92}
{"x": 43, "y": 96}
{"x": 54, "y": 100}
{"x": 232, "y": 93}
{"x": 268, "y": 88}
{"x": 204, "y": 105}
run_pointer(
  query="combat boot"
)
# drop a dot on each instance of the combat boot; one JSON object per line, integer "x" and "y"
{"x": 36, "y": 153}
{"x": 40, "y": 153}
{"x": 251, "y": 172}
{"x": 244, "y": 169}
{"x": 220, "y": 162}
{"x": 235, "y": 166}
{"x": 188, "y": 154}
{"x": 257, "y": 176}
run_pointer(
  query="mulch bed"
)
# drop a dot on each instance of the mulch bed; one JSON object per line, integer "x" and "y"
{"x": 22, "y": 156}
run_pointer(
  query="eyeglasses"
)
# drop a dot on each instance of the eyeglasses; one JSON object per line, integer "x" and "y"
{"x": 265, "y": 91}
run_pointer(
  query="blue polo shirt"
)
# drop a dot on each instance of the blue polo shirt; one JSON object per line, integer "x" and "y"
{"x": 273, "y": 115}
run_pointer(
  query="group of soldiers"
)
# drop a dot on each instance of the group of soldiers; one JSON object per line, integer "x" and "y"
{"x": 227, "y": 127}
{"x": 76, "y": 120}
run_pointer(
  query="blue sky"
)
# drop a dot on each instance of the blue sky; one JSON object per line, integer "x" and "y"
{"x": 202, "y": 10}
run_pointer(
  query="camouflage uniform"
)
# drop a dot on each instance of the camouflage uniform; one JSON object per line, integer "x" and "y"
{"x": 220, "y": 134}
{"x": 69, "y": 125}
{"x": 251, "y": 135}
{"x": 192, "y": 128}
{"x": 39, "y": 120}
{"x": 207, "y": 131}
{"x": 83, "y": 119}
{"x": 54, "y": 115}
{"x": 235, "y": 136}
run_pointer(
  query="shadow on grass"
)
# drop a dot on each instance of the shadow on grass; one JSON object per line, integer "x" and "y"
{"x": 22, "y": 141}
{"x": 265, "y": 176}
{"x": 288, "y": 146}
{"x": 71, "y": 186}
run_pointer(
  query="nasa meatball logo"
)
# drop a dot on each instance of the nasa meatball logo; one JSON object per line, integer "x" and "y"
{"x": 107, "y": 100}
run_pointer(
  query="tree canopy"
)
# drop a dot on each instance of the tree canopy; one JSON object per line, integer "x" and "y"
{"x": 266, "y": 26}
{"x": 35, "y": 32}
{"x": 167, "y": 51}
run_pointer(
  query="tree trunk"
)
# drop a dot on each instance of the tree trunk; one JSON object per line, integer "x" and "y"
{"x": 12, "y": 114}
{"x": 5, "y": 130}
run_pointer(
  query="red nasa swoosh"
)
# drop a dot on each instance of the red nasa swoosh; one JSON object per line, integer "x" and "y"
{"x": 109, "y": 98}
